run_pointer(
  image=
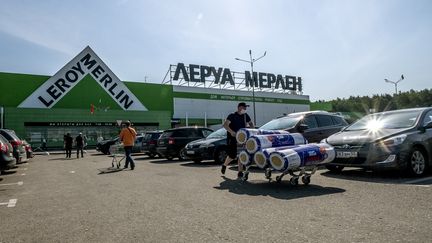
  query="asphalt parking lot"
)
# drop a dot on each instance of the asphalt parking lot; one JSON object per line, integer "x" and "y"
{"x": 53, "y": 199}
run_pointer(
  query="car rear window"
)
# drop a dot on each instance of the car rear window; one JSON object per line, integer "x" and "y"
{"x": 9, "y": 135}
{"x": 339, "y": 121}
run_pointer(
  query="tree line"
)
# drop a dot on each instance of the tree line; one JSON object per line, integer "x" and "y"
{"x": 357, "y": 106}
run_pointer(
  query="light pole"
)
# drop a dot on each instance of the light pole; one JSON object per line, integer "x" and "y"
{"x": 251, "y": 62}
{"x": 395, "y": 83}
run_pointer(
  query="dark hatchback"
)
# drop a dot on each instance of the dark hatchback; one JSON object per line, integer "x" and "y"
{"x": 7, "y": 160}
{"x": 172, "y": 142}
{"x": 212, "y": 147}
{"x": 314, "y": 125}
{"x": 399, "y": 139}
{"x": 149, "y": 143}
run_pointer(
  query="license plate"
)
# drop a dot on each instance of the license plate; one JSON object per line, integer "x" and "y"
{"x": 161, "y": 142}
{"x": 346, "y": 154}
{"x": 190, "y": 152}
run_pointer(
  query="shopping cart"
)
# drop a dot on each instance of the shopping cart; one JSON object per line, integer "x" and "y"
{"x": 118, "y": 155}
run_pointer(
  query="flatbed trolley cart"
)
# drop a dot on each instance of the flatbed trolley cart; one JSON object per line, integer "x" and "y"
{"x": 304, "y": 172}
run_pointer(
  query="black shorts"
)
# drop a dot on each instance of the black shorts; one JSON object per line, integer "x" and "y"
{"x": 232, "y": 148}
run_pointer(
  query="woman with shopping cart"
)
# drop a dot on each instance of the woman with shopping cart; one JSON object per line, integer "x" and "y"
{"x": 127, "y": 136}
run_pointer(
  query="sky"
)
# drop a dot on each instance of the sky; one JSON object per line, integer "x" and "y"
{"x": 339, "y": 48}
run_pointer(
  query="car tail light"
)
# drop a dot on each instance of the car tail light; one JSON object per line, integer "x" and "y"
{"x": 171, "y": 141}
{"x": 4, "y": 148}
{"x": 28, "y": 148}
{"x": 16, "y": 143}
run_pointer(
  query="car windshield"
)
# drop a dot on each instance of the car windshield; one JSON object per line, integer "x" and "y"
{"x": 386, "y": 120}
{"x": 220, "y": 133}
{"x": 282, "y": 123}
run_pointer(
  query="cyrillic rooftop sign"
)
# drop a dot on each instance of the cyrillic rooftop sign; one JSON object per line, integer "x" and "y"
{"x": 86, "y": 62}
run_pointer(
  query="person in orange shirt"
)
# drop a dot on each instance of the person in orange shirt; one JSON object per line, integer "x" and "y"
{"x": 128, "y": 136}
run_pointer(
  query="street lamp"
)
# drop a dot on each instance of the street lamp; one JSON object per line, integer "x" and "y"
{"x": 395, "y": 83}
{"x": 251, "y": 62}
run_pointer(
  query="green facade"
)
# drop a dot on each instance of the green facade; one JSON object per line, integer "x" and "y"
{"x": 76, "y": 106}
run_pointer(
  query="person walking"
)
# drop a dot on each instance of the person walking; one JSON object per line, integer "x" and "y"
{"x": 128, "y": 136}
{"x": 79, "y": 141}
{"x": 68, "y": 145}
{"x": 234, "y": 122}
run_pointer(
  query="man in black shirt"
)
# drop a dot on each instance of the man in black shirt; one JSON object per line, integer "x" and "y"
{"x": 79, "y": 141}
{"x": 233, "y": 123}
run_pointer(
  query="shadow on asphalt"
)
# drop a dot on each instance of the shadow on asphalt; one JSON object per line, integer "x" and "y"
{"x": 8, "y": 172}
{"x": 385, "y": 177}
{"x": 165, "y": 161}
{"x": 281, "y": 190}
{"x": 73, "y": 158}
{"x": 202, "y": 164}
{"x": 109, "y": 170}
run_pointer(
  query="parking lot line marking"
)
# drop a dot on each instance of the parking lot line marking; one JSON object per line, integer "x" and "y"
{"x": 419, "y": 180}
{"x": 23, "y": 174}
{"x": 72, "y": 171}
{"x": 19, "y": 183}
{"x": 12, "y": 203}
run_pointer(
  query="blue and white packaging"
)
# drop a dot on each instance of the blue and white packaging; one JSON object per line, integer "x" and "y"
{"x": 245, "y": 133}
{"x": 301, "y": 156}
{"x": 258, "y": 142}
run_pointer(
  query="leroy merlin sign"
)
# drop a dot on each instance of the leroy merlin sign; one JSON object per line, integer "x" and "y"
{"x": 86, "y": 62}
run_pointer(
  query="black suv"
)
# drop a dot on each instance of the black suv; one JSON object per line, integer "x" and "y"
{"x": 149, "y": 143}
{"x": 172, "y": 142}
{"x": 314, "y": 125}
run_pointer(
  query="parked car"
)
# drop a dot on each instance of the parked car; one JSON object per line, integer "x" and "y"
{"x": 314, "y": 125}
{"x": 172, "y": 142}
{"x": 7, "y": 160}
{"x": 149, "y": 143}
{"x": 399, "y": 139}
{"x": 213, "y": 147}
{"x": 28, "y": 148}
{"x": 104, "y": 145}
{"x": 19, "y": 152}
{"x": 135, "y": 149}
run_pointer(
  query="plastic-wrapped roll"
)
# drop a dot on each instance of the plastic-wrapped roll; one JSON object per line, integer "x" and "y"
{"x": 245, "y": 133}
{"x": 261, "y": 157}
{"x": 258, "y": 142}
{"x": 244, "y": 158}
{"x": 303, "y": 155}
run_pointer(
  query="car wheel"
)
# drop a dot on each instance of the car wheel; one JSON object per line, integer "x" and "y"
{"x": 220, "y": 156}
{"x": 417, "y": 162}
{"x": 334, "y": 168}
{"x": 151, "y": 156}
{"x": 197, "y": 161}
{"x": 169, "y": 157}
{"x": 182, "y": 155}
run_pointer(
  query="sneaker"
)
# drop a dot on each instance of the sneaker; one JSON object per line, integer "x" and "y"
{"x": 223, "y": 169}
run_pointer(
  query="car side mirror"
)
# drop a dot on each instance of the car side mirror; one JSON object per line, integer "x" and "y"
{"x": 302, "y": 128}
{"x": 427, "y": 126}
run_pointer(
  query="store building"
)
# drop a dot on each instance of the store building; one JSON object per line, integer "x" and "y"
{"x": 86, "y": 96}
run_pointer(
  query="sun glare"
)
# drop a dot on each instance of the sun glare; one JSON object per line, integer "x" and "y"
{"x": 374, "y": 125}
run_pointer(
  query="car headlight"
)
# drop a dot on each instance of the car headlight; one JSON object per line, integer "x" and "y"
{"x": 394, "y": 141}
{"x": 204, "y": 145}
